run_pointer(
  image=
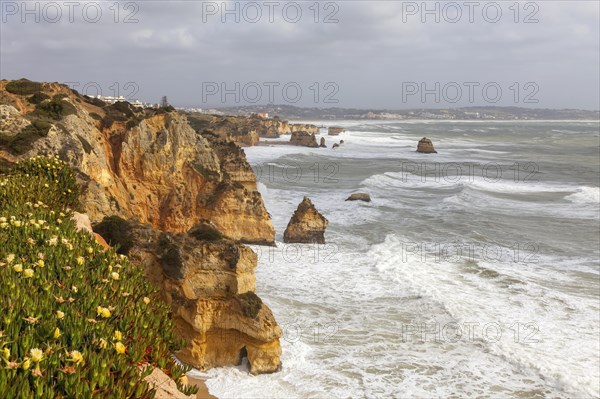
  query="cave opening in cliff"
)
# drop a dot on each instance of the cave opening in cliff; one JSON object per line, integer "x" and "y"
{"x": 243, "y": 354}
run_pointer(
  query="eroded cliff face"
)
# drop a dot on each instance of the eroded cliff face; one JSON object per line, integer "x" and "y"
{"x": 210, "y": 284}
{"x": 245, "y": 131}
{"x": 305, "y": 139}
{"x": 152, "y": 167}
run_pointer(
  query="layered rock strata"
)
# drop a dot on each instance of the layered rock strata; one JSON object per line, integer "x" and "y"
{"x": 425, "y": 146}
{"x": 304, "y": 139}
{"x": 307, "y": 225}
{"x": 190, "y": 198}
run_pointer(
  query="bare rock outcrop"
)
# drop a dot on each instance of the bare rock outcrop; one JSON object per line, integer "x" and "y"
{"x": 305, "y": 139}
{"x": 334, "y": 131}
{"x": 425, "y": 146}
{"x": 306, "y": 226}
{"x": 178, "y": 202}
{"x": 359, "y": 197}
{"x": 209, "y": 282}
{"x": 150, "y": 166}
{"x": 322, "y": 143}
{"x": 245, "y": 131}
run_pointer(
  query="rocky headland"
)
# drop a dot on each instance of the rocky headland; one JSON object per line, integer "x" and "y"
{"x": 245, "y": 131}
{"x": 181, "y": 204}
{"x": 304, "y": 139}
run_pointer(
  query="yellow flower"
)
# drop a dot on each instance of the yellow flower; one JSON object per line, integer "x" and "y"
{"x": 10, "y": 258}
{"x": 80, "y": 260}
{"x": 18, "y": 268}
{"x": 90, "y": 250}
{"x": 28, "y": 273}
{"x": 76, "y": 357}
{"x": 102, "y": 344}
{"x": 57, "y": 333}
{"x": 41, "y": 263}
{"x": 114, "y": 275}
{"x": 117, "y": 336}
{"x": 26, "y": 364}
{"x": 60, "y": 315}
{"x": 36, "y": 355}
{"x": 104, "y": 312}
{"x": 120, "y": 348}
{"x": 74, "y": 289}
{"x": 146, "y": 300}
{"x": 6, "y": 353}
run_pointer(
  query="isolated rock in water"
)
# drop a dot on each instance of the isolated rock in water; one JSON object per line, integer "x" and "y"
{"x": 426, "y": 146}
{"x": 334, "y": 131}
{"x": 304, "y": 139}
{"x": 341, "y": 142}
{"x": 359, "y": 197}
{"x": 335, "y": 145}
{"x": 322, "y": 144}
{"x": 306, "y": 226}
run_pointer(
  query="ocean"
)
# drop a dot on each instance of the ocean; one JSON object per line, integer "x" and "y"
{"x": 473, "y": 272}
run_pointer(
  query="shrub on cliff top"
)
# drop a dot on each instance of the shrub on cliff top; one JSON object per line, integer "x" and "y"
{"x": 76, "y": 321}
{"x": 22, "y": 141}
{"x": 23, "y": 87}
{"x": 205, "y": 231}
{"x": 56, "y": 109}
{"x": 251, "y": 304}
{"x": 38, "y": 98}
{"x": 117, "y": 232}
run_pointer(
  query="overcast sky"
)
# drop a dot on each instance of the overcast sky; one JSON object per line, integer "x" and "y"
{"x": 366, "y": 54}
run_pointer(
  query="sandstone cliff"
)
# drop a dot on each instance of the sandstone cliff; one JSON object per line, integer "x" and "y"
{"x": 307, "y": 225}
{"x": 151, "y": 168}
{"x": 425, "y": 146}
{"x": 147, "y": 165}
{"x": 209, "y": 282}
{"x": 303, "y": 138}
{"x": 245, "y": 131}
{"x": 334, "y": 131}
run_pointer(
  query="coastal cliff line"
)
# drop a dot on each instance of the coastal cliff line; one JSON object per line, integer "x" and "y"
{"x": 178, "y": 203}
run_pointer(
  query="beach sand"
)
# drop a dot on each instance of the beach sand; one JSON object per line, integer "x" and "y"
{"x": 202, "y": 391}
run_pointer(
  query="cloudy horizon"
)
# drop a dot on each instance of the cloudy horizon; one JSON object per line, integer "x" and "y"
{"x": 348, "y": 54}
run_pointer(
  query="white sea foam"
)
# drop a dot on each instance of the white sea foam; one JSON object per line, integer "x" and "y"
{"x": 585, "y": 195}
{"x": 557, "y": 345}
{"x": 351, "y": 303}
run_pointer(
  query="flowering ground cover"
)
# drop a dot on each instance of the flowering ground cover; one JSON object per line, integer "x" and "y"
{"x": 76, "y": 321}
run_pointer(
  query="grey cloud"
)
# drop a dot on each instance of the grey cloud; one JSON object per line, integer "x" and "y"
{"x": 369, "y": 53}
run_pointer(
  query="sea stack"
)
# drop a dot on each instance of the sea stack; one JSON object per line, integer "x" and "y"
{"x": 359, "y": 197}
{"x": 322, "y": 144}
{"x": 306, "y": 226}
{"x": 334, "y": 131}
{"x": 425, "y": 146}
{"x": 303, "y": 138}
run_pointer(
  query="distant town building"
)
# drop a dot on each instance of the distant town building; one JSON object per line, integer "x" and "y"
{"x": 164, "y": 102}
{"x": 135, "y": 103}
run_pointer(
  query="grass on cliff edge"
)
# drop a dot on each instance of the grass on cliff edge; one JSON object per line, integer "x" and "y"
{"x": 76, "y": 321}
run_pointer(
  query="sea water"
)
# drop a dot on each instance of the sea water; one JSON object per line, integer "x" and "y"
{"x": 474, "y": 272}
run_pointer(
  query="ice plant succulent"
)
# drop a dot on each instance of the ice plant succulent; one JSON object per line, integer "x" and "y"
{"x": 50, "y": 287}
